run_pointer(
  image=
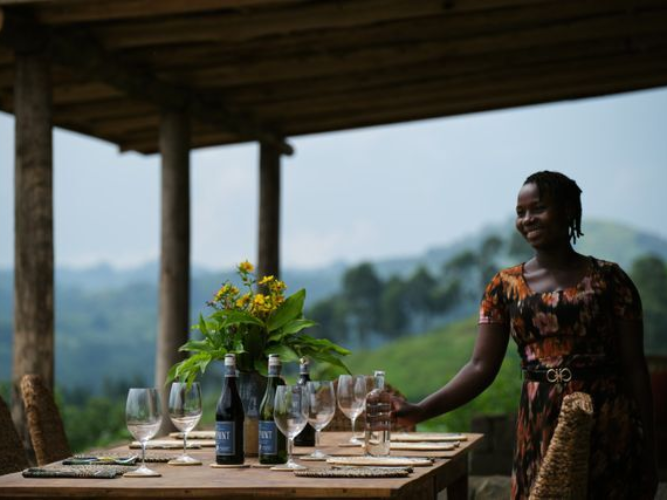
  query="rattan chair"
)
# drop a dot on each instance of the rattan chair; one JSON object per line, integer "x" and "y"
{"x": 341, "y": 423}
{"x": 12, "y": 455}
{"x": 47, "y": 432}
{"x": 564, "y": 471}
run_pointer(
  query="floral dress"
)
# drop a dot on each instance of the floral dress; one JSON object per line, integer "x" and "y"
{"x": 574, "y": 327}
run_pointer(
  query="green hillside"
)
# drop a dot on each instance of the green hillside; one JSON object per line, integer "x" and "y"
{"x": 420, "y": 365}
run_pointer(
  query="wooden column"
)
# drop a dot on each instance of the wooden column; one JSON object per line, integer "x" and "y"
{"x": 33, "y": 228}
{"x": 268, "y": 260}
{"x": 174, "y": 317}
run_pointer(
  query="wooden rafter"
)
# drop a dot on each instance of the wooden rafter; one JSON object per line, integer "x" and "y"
{"x": 84, "y": 55}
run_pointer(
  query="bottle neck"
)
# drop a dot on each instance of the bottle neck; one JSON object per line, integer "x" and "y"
{"x": 379, "y": 381}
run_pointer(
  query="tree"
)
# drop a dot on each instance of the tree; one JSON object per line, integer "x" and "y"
{"x": 362, "y": 289}
{"x": 650, "y": 276}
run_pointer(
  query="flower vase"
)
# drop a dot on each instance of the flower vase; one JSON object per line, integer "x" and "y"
{"x": 252, "y": 386}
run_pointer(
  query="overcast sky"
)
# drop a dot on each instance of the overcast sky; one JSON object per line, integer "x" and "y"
{"x": 364, "y": 194}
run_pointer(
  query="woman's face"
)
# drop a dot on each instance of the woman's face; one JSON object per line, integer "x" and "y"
{"x": 539, "y": 219}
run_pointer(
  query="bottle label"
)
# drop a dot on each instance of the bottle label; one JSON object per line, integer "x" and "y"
{"x": 225, "y": 442}
{"x": 268, "y": 438}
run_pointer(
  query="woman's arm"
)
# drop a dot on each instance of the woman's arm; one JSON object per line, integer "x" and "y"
{"x": 471, "y": 380}
{"x": 635, "y": 371}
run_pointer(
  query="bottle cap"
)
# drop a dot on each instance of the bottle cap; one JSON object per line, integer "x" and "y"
{"x": 274, "y": 360}
{"x": 304, "y": 365}
{"x": 378, "y": 373}
{"x": 230, "y": 360}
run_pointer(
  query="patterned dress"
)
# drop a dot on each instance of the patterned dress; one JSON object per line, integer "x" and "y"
{"x": 573, "y": 327}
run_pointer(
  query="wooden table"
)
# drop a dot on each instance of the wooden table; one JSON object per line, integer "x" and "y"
{"x": 450, "y": 471}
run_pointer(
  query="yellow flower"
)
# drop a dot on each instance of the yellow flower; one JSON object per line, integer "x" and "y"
{"x": 221, "y": 293}
{"x": 266, "y": 279}
{"x": 241, "y": 302}
{"x": 259, "y": 299}
{"x": 246, "y": 267}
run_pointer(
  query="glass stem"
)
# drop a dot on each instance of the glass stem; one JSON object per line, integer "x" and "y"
{"x": 354, "y": 420}
{"x": 143, "y": 453}
{"x": 185, "y": 443}
{"x": 290, "y": 443}
{"x": 317, "y": 440}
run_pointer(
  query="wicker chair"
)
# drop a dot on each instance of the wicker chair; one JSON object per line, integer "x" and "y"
{"x": 12, "y": 455}
{"x": 564, "y": 471}
{"x": 47, "y": 432}
{"x": 341, "y": 423}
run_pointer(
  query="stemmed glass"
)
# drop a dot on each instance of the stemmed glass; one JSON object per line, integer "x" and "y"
{"x": 291, "y": 415}
{"x": 185, "y": 412}
{"x": 321, "y": 409}
{"x": 143, "y": 419}
{"x": 351, "y": 395}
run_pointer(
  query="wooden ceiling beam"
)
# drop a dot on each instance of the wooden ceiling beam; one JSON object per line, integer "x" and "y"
{"x": 377, "y": 58}
{"x": 88, "y": 59}
{"x": 260, "y": 24}
{"x": 88, "y": 11}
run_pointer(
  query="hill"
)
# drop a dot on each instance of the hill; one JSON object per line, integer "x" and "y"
{"x": 106, "y": 319}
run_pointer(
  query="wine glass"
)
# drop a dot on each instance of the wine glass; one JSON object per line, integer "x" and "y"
{"x": 290, "y": 412}
{"x": 143, "y": 418}
{"x": 321, "y": 409}
{"x": 351, "y": 396}
{"x": 185, "y": 412}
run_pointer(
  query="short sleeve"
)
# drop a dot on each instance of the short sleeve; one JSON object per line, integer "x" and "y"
{"x": 626, "y": 303}
{"x": 493, "y": 308}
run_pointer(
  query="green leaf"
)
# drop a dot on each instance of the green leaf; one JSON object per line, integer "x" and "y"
{"x": 289, "y": 310}
{"x": 287, "y": 354}
{"x": 240, "y": 318}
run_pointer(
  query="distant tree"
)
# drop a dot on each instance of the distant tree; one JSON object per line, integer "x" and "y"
{"x": 393, "y": 319}
{"x": 330, "y": 316}
{"x": 419, "y": 298}
{"x": 488, "y": 255}
{"x": 650, "y": 275}
{"x": 362, "y": 289}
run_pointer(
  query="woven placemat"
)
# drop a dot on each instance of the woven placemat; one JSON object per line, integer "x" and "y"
{"x": 364, "y": 461}
{"x": 353, "y": 472}
{"x": 151, "y": 456}
{"x": 427, "y": 436}
{"x": 78, "y": 471}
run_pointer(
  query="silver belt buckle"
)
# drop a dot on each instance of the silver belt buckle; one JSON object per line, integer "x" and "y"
{"x": 559, "y": 375}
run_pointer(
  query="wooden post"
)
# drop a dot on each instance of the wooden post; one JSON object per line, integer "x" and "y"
{"x": 33, "y": 229}
{"x": 174, "y": 318}
{"x": 268, "y": 261}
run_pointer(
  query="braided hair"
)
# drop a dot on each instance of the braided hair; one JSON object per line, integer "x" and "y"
{"x": 563, "y": 191}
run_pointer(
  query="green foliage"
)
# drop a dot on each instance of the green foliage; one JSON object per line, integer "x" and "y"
{"x": 253, "y": 325}
{"x": 649, "y": 274}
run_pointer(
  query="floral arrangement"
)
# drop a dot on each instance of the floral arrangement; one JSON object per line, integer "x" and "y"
{"x": 253, "y": 322}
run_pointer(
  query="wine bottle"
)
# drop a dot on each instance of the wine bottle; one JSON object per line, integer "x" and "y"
{"x": 272, "y": 442}
{"x": 307, "y": 436}
{"x": 377, "y": 435}
{"x": 229, "y": 418}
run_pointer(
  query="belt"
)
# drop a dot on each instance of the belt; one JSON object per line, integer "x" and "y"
{"x": 563, "y": 375}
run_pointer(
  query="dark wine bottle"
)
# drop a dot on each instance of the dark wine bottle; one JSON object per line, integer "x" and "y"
{"x": 307, "y": 436}
{"x": 229, "y": 418}
{"x": 272, "y": 442}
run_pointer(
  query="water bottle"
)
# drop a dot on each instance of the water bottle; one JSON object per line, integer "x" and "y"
{"x": 377, "y": 435}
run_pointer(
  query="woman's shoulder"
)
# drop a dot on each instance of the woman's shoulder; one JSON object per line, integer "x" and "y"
{"x": 512, "y": 272}
{"x": 606, "y": 266}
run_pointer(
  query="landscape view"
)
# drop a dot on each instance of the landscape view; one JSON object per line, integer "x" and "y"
{"x": 414, "y": 317}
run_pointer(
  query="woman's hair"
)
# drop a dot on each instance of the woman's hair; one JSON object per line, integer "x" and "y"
{"x": 563, "y": 191}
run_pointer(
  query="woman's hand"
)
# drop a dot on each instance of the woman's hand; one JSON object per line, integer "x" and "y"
{"x": 405, "y": 414}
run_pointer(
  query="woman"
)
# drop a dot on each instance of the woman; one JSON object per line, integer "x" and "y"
{"x": 577, "y": 322}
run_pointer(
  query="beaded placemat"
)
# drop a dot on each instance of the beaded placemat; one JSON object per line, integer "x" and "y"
{"x": 78, "y": 471}
{"x": 353, "y": 472}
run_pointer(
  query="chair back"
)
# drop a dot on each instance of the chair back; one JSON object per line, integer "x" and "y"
{"x": 564, "y": 470}
{"x": 12, "y": 455}
{"x": 341, "y": 423}
{"x": 46, "y": 428}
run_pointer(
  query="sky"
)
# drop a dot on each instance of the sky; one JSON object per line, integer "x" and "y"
{"x": 365, "y": 194}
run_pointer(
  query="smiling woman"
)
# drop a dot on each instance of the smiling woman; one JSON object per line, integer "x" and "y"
{"x": 577, "y": 322}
